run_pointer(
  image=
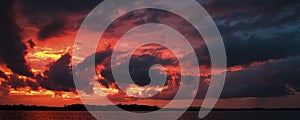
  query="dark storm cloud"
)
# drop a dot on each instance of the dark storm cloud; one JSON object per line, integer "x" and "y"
{"x": 84, "y": 73}
{"x": 32, "y": 85}
{"x": 139, "y": 67}
{"x": 53, "y": 7}
{"x": 99, "y": 59}
{"x": 270, "y": 79}
{"x": 55, "y": 17}
{"x": 12, "y": 49}
{"x": 225, "y": 8}
{"x": 137, "y": 17}
{"x": 105, "y": 83}
{"x": 132, "y": 19}
{"x": 172, "y": 89}
{"x": 15, "y": 82}
{"x": 266, "y": 80}
{"x": 202, "y": 54}
{"x": 257, "y": 30}
{"x": 59, "y": 76}
{"x": 2, "y": 75}
{"x": 144, "y": 16}
{"x": 150, "y": 15}
{"x": 254, "y": 49}
{"x": 54, "y": 29}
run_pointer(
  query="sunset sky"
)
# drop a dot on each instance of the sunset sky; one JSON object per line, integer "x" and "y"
{"x": 261, "y": 40}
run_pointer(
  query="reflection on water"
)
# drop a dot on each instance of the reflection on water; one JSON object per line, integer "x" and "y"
{"x": 45, "y": 115}
{"x": 83, "y": 115}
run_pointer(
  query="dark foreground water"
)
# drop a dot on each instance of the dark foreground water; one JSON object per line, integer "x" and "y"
{"x": 191, "y": 115}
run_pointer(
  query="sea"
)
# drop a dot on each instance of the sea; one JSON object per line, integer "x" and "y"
{"x": 189, "y": 115}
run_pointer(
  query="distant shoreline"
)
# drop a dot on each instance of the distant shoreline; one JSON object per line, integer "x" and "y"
{"x": 131, "y": 107}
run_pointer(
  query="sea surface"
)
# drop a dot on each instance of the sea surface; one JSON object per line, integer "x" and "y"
{"x": 190, "y": 115}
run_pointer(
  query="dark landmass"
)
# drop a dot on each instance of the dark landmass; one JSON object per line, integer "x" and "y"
{"x": 132, "y": 107}
{"x": 80, "y": 107}
{"x": 247, "y": 109}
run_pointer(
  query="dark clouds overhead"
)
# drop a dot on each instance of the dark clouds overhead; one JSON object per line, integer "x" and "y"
{"x": 54, "y": 29}
{"x": 140, "y": 65}
{"x": 12, "y": 49}
{"x": 59, "y": 76}
{"x": 55, "y": 17}
{"x": 257, "y": 30}
{"x": 270, "y": 79}
{"x": 15, "y": 82}
{"x": 276, "y": 78}
{"x": 151, "y": 15}
{"x": 99, "y": 59}
{"x": 271, "y": 37}
{"x": 2, "y": 75}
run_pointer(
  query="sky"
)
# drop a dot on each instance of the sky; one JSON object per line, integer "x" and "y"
{"x": 261, "y": 40}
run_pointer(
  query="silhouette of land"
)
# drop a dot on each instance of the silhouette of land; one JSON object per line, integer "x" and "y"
{"x": 132, "y": 107}
{"x": 80, "y": 107}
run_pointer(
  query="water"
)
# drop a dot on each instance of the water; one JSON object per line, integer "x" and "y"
{"x": 191, "y": 115}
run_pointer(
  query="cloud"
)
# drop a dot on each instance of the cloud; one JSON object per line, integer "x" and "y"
{"x": 257, "y": 30}
{"x": 54, "y": 29}
{"x": 99, "y": 59}
{"x": 270, "y": 79}
{"x": 140, "y": 65}
{"x": 15, "y": 82}
{"x": 151, "y": 15}
{"x": 55, "y": 18}
{"x": 4, "y": 89}
{"x": 2, "y": 75}
{"x": 12, "y": 49}
{"x": 59, "y": 76}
